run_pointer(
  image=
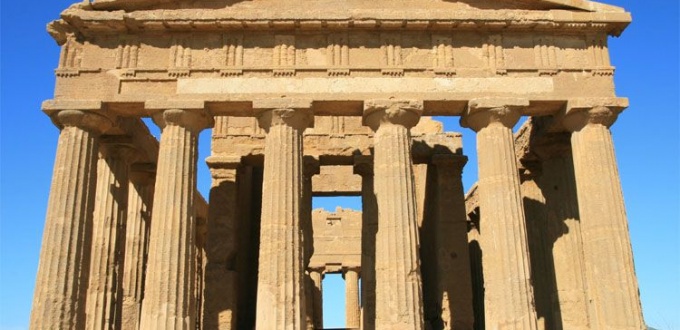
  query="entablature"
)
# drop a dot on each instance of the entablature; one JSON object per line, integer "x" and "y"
{"x": 435, "y": 104}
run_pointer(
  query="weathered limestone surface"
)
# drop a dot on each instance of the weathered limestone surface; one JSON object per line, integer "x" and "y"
{"x": 139, "y": 208}
{"x": 352, "y": 308}
{"x": 508, "y": 293}
{"x": 539, "y": 257}
{"x": 398, "y": 284}
{"x": 564, "y": 229}
{"x": 311, "y": 168}
{"x": 169, "y": 286}
{"x": 280, "y": 291}
{"x": 337, "y": 238}
{"x": 612, "y": 285}
{"x": 369, "y": 229}
{"x": 454, "y": 284}
{"x": 220, "y": 283}
{"x": 317, "y": 297}
{"x": 562, "y": 287}
{"x": 109, "y": 220}
{"x": 61, "y": 284}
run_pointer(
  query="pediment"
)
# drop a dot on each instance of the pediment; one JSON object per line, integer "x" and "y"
{"x": 331, "y": 5}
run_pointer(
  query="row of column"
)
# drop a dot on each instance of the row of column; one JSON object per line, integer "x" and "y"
{"x": 93, "y": 271}
{"x": 612, "y": 294}
{"x": 352, "y": 304}
{"x": 169, "y": 286}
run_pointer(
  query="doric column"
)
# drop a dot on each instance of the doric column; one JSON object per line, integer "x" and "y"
{"x": 363, "y": 165}
{"x": 169, "y": 285}
{"x": 563, "y": 230}
{"x": 61, "y": 284}
{"x": 508, "y": 294}
{"x": 352, "y": 308}
{"x": 201, "y": 233}
{"x": 220, "y": 284}
{"x": 399, "y": 302}
{"x": 110, "y": 212}
{"x": 280, "y": 290}
{"x": 316, "y": 277}
{"x": 610, "y": 273}
{"x": 140, "y": 199}
{"x": 454, "y": 281}
{"x": 311, "y": 168}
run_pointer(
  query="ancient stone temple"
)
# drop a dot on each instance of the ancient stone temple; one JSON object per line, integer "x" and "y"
{"x": 335, "y": 98}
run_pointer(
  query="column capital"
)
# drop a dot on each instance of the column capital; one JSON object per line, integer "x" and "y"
{"x": 223, "y": 167}
{"x": 598, "y": 111}
{"x": 445, "y": 161}
{"x": 90, "y": 121}
{"x": 363, "y": 165}
{"x": 143, "y": 174}
{"x": 395, "y": 112}
{"x": 296, "y": 113}
{"x": 119, "y": 147}
{"x": 311, "y": 166}
{"x": 483, "y": 112}
{"x": 194, "y": 120}
{"x": 355, "y": 269}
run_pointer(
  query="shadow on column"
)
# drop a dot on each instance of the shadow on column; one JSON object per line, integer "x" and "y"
{"x": 248, "y": 253}
{"x": 542, "y": 264}
{"x": 370, "y": 216}
{"x": 220, "y": 266}
{"x": 432, "y": 308}
{"x": 477, "y": 269}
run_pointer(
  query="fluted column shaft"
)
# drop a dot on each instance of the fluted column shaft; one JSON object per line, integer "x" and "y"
{"x": 311, "y": 167}
{"x": 399, "y": 298}
{"x": 508, "y": 293}
{"x": 363, "y": 165}
{"x": 140, "y": 198}
{"x": 454, "y": 280}
{"x": 169, "y": 285}
{"x": 317, "y": 296}
{"x": 352, "y": 308}
{"x": 220, "y": 286}
{"x": 61, "y": 284}
{"x": 280, "y": 290}
{"x": 564, "y": 228}
{"x": 610, "y": 273}
{"x": 110, "y": 212}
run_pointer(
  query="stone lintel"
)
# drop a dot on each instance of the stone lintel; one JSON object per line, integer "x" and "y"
{"x": 333, "y": 104}
{"x": 153, "y": 106}
{"x": 223, "y": 167}
{"x": 485, "y": 103}
{"x": 617, "y": 104}
{"x": 217, "y": 161}
{"x": 336, "y": 180}
{"x": 52, "y": 106}
{"x": 260, "y": 105}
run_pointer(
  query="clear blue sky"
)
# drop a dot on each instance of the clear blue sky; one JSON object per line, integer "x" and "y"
{"x": 646, "y": 137}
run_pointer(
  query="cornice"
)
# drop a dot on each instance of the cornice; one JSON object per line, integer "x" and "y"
{"x": 94, "y": 22}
